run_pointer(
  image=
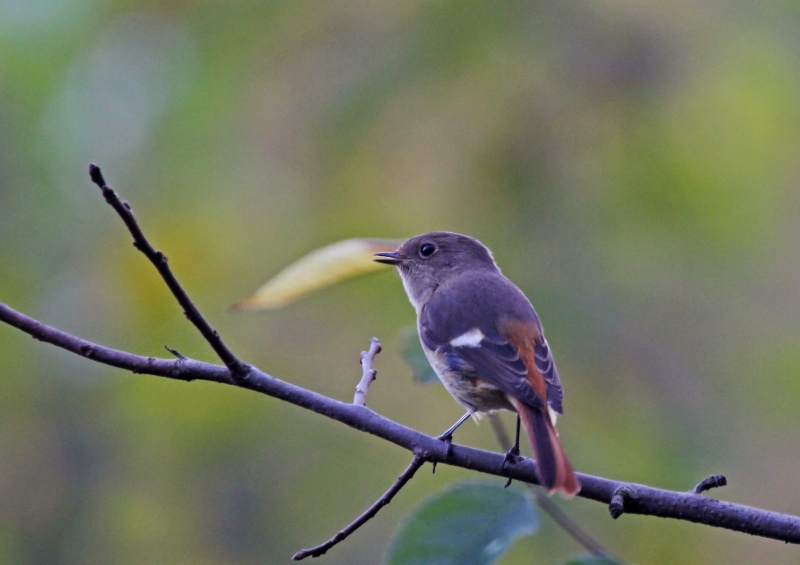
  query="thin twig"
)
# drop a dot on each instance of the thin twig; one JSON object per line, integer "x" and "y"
{"x": 405, "y": 476}
{"x": 159, "y": 260}
{"x": 549, "y": 507}
{"x": 417, "y": 462}
{"x": 368, "y": 374}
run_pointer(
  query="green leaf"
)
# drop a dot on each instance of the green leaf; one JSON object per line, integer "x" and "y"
{"x": 470, "y": 523}
{"x": 590, "y": 560}
{"x": 411, "y": 351}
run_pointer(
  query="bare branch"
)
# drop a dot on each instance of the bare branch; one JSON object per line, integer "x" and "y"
{"x": 368, "y": 374}
{"x": 387, "y": 497}
{"x": 180, "y": 369}
{"x": 159, "y": 260}
{"x": 627, "y": 497}
{"x": 647, "y": 501}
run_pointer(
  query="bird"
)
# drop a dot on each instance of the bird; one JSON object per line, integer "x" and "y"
{"x": 485, "y": 342}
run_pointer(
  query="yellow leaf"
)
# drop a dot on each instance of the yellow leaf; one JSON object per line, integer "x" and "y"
{"x": 321, "y": 268}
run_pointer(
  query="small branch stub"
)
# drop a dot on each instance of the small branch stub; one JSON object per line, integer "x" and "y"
{"x": 368, "y": 374}
{"x": 622, "y": 495}
{"x": 714, "y": 481}
{"x": 175, "y": 352}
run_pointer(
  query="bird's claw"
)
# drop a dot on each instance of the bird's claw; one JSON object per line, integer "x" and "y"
{"x": 448, "y": 443}
{"x": 512, "y": 458}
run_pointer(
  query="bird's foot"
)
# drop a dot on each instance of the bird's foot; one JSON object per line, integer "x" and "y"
{"x": 512, "y": 458}
{"x": 447, "y": 438}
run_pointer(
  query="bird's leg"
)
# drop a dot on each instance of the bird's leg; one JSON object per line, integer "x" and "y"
{"x": 447, "y": 436}
{"x": 512, "y": 454}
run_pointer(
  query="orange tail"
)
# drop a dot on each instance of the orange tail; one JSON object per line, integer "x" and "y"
{"x": 554, "y": 470}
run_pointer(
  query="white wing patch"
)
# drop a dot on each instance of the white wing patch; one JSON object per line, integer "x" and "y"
{"x": 472, "y": 338}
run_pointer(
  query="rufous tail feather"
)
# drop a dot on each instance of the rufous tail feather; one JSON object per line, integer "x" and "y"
{"x": 553, "y": 467}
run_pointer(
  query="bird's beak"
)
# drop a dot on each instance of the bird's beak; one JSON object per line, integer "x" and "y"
{"x": 389, "y": 257}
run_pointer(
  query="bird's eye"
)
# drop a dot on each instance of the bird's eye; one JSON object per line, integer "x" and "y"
{"x": 427, "y": 249}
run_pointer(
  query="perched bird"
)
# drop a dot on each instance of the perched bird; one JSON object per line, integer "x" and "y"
{"x": 484, "y": 340}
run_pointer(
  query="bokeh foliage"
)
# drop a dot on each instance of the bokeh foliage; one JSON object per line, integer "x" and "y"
{"x": 470, "y": 523}
{"x": 633, "y": 166}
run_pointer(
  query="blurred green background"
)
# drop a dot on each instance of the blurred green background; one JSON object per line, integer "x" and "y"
{"x": 633, "y": 166}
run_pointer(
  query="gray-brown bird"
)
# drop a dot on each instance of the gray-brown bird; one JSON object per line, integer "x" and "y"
{"x": 484, "y": 340}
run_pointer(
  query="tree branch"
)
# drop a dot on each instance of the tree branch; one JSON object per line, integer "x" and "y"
{"x": 159, "y": 260}
{"x": 647, "y": 501}
{"x": 417, "y": 462}
{"x": 633, "y": 498}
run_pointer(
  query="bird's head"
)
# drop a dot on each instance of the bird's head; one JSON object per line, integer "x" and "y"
{"x": 429, "y": 260}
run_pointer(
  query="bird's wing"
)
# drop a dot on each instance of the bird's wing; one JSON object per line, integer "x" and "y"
{"x": 547, "y": 367}
{"x": 474, "y": 346}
